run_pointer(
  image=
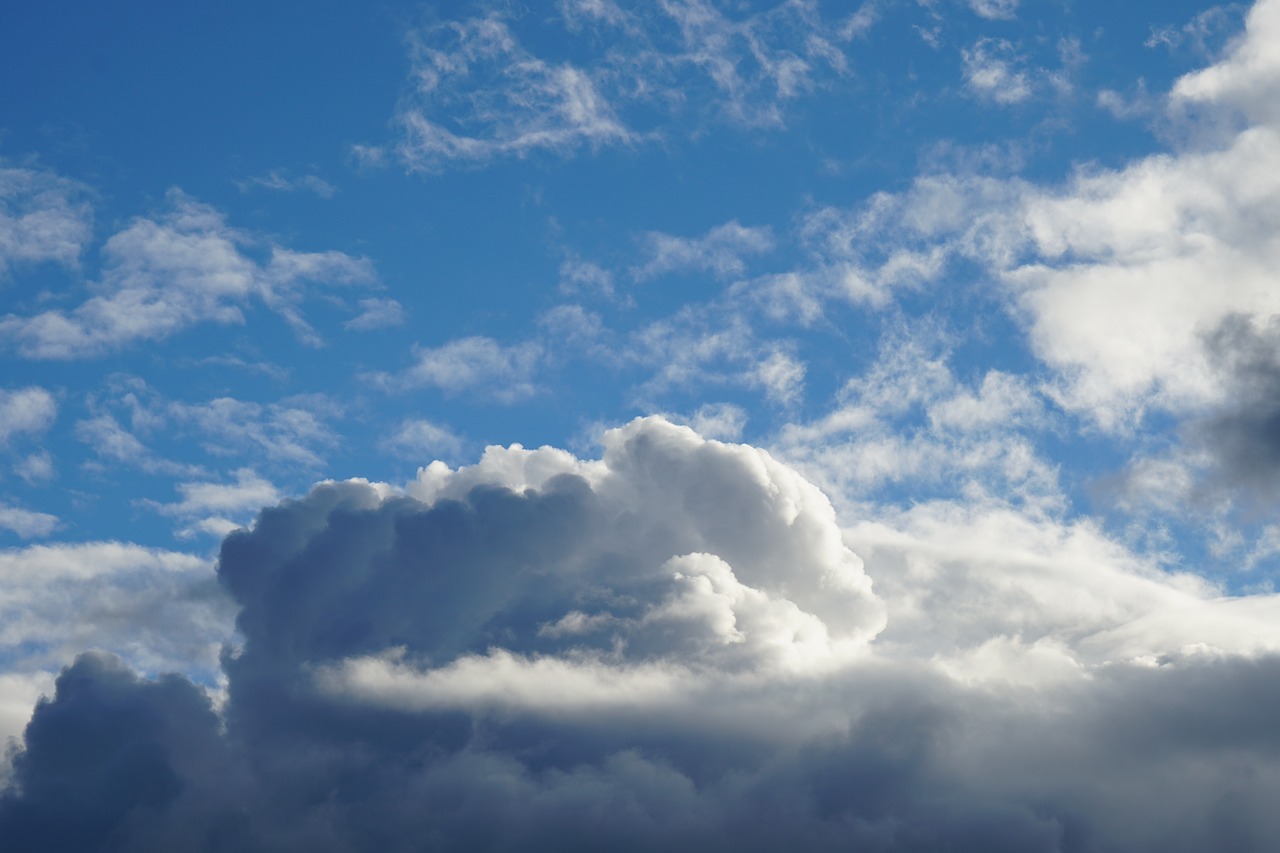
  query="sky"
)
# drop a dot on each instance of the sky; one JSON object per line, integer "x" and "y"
{"x": 709, "y": 424}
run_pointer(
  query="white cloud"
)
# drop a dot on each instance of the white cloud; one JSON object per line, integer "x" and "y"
{"x": 721, "y": 421}
{"x": 991, "y": 72}
{"x": 112, "y": 442}
{"x": 423, "y": 440}
{"x": 376, "y": 314}
{"x": 1117, "y": 273}
{"x": 29, "y": 410}
{"x": 720, "y": 252}
{"x": 26, "y": 523}
{"x": 996, "y": 10}
{"x": 288, "y": 432}
{"x": 513, "y": 103}
{"x": 291, "y": 432}
{"x": 36, "y": 467}
{"x": 479, "y": 92}
{"x": 1247, "y": 77}
{"x": 708, "y": 346}
{"x": 218, "y": 508}
{"x": 782, "y": 377}
{"x": 163, "y": 275}
{"x": 43, "y": 217}
{"x": 908, "y": 429}
{"x": 477, "y": 364}
{"x": 1002, "y": 400}
{"x": 581, "y": 276}
{"x": 281, "y": 181}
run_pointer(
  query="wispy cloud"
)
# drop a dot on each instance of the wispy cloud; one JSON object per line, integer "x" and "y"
{"x": 996, "y": 10}
{"x": 422, "y": 440}
{"x": 479, "y": 93}
{"x": 281, "y": 181}
{"x": 502, "y": 99}
{"x": 721, "y": 251}
{"x": 478, "y": 365}
{"x": 376, "y": 314}
{"x": 992, "y": 71}
{"x": 43, "y": 217}
{"x": 166, "y": 274}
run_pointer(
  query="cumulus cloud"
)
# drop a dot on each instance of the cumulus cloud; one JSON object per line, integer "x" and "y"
{"x": 157, "y": 610}
{"x": 165, "y": 274}
{"x": 673, "y": 645}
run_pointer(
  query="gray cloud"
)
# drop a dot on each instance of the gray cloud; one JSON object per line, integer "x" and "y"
{"x": 671, "y": 646}
{"x": 1243, "y": 435}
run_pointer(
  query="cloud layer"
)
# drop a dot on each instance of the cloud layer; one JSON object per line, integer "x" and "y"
{"x": 672, "y": 645}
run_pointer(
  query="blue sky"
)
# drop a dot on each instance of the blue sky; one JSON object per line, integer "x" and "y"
{"x": 996, "y": 277}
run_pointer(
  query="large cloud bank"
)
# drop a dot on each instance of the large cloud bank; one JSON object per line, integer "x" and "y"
{"x": 672, "y": 646}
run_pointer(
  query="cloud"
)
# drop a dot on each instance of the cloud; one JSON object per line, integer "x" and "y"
{"x": 671, "y": 645}
{"x": 720, "y": 252}
{"x": 581, "y": 276}
{"x": 281, "y": 181}
{"x": 510, "y": 102}
{"x": 991, "y": 73}
{"x": 211, "y": 507}
{"x": 30, "y": 410}
{"x": 418, "y": 439}
{"x": 158, "y": 610}
{"x": 166, "y": 274}
{"x": 111, "y": 442}
{"x": 995, "y": 9}
{"x": 376, "y": 314}
{"x": 36, "y": 467}
{"x": 1242, "y": 434}
{"x": 26, "y": 523}
{"x": 476, "y": 364}
{"x": 43, "y": 217}
{"x": 623, "y": 75}
{"x": 710, "y": 345}
{"x": 908, "y": 429}
{"x": 722, "y": 421}
{"x": 1114, "y": 272}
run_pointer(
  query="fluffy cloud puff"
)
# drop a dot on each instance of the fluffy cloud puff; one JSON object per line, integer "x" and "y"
{"x": 670, "y": 646}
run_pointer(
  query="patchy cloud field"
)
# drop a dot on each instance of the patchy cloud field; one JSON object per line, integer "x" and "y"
{"x": 609, "y": 425}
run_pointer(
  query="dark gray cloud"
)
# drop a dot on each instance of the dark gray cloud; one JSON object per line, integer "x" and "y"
{"x": 1244, "y": 434}
{"x": 667, "y": 648}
